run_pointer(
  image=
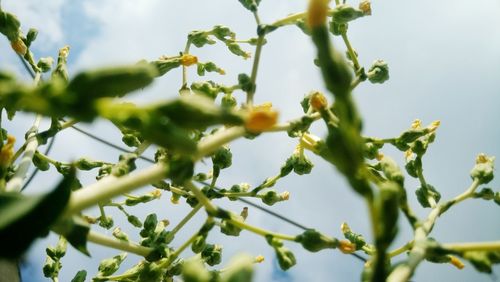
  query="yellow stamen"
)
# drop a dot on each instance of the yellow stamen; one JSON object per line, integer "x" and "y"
{"x": 318, "y": 101}
{"x": 188, "y": 60}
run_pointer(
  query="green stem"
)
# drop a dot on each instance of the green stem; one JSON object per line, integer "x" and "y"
{"x": 404, "y": 271}
{"x": 352, "y": 53}
{"x": 184, "y": 68}
{"x": 260, "y": 231}
{"x": 16, "y": 182}
{"x": 186, "y": 219}
{"x": 209, "y": 206}
{"x": 69, "y": 123}
{"x": 401, "y": 249}
{"x": 110, "y": 187}
{"x": 493, "y": 246}
{"x": 255, "y": 67}
{"x": 220, "y": 138}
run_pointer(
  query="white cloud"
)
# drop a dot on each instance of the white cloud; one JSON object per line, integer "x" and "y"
{"x": 42, "y": 15}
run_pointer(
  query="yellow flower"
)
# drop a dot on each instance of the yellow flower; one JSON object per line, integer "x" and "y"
{"x": 259, "y": 259}
{"x": 285, "y": 196}
{"x": 346, "y": 247}
{"x": 7, "y": 151}
{"x": 318, "y": 101}
{"x": 434, "y": 125}
{"x": 416, "y": 124}
{"x": 188, "y": 60}
{"x": 365, "y": 6}
{"x": 261, "y": 118}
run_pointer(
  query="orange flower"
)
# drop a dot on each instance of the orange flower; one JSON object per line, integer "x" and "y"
{"x": 261, "y": 118}
{"x": 318, "y": 101}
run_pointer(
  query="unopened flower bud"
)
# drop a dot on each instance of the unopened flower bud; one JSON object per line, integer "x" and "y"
{"x": 456, "y": 262}
{"x": 365, "y": 6}
{"x": 346, "y": 247}
{"x": 19, "y": 46}
{"x": 378, "y": 72}
{"x": 259, "y": 259}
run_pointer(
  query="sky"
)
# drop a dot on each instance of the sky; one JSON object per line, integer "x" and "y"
{"x": 444, "y": 62}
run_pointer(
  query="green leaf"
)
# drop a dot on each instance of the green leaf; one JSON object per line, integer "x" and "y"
{"x": 423, "y": 193}
{"x": 75, "y": 230}
{"x": 25, "y": 218}
{"x": 250, "y": 4}
{"x": 111, "y": 82}
{"x": 80, "y": 276}
{"x": 314, "y": 241}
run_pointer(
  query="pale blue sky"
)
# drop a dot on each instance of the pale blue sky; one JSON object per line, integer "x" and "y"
{"x": 444, "y": 59}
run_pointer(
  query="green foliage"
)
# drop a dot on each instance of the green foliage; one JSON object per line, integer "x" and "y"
{"x": 187, "y": 130}
{"x": 25, "y": 218}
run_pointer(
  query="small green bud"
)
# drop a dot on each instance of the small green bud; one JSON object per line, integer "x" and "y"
{"x": 357, "y": 239}
{"x": 391, "y": 170}
{"x": 40, "y": 162}
{"x": 149, "y": 225}
{"x": 378, "y": 72}
{"x": 314, "y": 241}
{"x": 286, "y": 259}
{"x": 344, "y": 13}
{"x": 229, "y": 229}
{"x": 212, "y": 254}
{"x": 483, "y": 170}
{"x": 222, "y": 158}
{"x": 87, "y": 164}
{"x": 45, "y": 64}
{"x": 31, "y": 36}
{"x": 302, "y": 165}
{"x": 424, "y": 192}
{"x": 131, "y": 140}
{"x": 287, "y": 167}
{"x": 199, "y": 244}
{"x": 245, "y": 82}
{"x": 338, "y": 28}
{"x": 228, "y": 101}
{"x": 51, "y": 267}
{"x": 485, "y": 194}
{"x": 134, "y": 220}
{"x": 106, "y": 222}
{"x": 270, "y": 197}
{"x": 109, "y": 266}
{"x": 120, "y": 235}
